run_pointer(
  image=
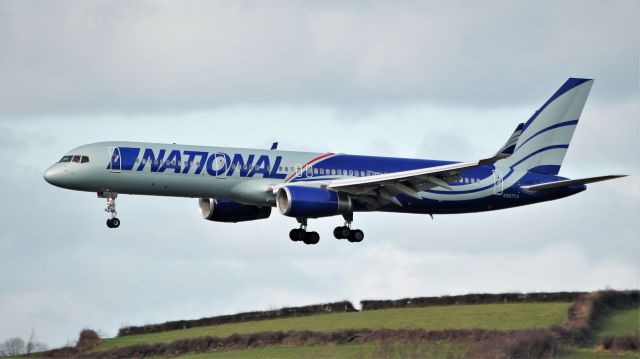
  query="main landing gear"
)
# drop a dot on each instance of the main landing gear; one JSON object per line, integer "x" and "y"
{"x": 344, "y": 232}
{"x": 301, "y": 234}
{"x": 113, "y": 221}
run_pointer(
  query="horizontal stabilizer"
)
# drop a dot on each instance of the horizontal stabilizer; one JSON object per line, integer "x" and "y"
{"x": 566, "y": 183}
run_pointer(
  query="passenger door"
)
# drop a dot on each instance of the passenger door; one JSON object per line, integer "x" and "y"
{"x": 115, "y": 160}
{"x": 220, "y": 165}
{"x": 497, "y": 182}
{"x": 298, "y": 171}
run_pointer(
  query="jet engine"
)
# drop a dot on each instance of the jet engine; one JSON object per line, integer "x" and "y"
{"x": 220, "y": 210}
{"x": 310, "y": 202}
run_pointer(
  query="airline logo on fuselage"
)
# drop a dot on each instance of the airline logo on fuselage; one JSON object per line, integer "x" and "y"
{"x": 195, "y": 162}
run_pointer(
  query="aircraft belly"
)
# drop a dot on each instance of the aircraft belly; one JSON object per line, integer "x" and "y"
{"x": 166, "y": 184}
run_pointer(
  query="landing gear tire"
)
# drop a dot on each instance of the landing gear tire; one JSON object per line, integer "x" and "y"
{"x": 355, "y": 236}
{"x": 297, "y": 234}
{"x": 311, "y": 238}
{"x": 341, "y": 232}
{"x": 113, "y": 223}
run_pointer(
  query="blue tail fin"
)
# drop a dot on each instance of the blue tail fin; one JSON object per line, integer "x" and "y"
{"x": 546, "y": 136}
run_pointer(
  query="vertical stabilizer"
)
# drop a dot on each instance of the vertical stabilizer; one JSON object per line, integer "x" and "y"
{"x": 546, "y": 136}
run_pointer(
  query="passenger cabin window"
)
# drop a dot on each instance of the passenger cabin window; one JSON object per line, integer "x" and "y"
{"x": 65, "y": 159}
{"x": 84, "y": 159}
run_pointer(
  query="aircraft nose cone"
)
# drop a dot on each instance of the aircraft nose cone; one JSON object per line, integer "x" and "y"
{"x": 52, "y": 175}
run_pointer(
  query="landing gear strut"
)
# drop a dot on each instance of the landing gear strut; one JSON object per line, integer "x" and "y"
{"x": 345, "y": 232}
{"x": 301, "y": 234}
{"x": 113, "y": 221}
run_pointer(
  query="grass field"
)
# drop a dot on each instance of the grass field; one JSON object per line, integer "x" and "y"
{"x": 589, "y": 353}
{"x": 619, "y": 322}
{"x": 371, "y": 350}
{"x": 352, "y": 351}
{"x": 486, "y": 316}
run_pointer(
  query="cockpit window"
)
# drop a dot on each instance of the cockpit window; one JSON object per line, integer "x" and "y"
{"x": 65, "y": 159}
{"x": 76, "y": 159}
{"x": 84, "y": 159}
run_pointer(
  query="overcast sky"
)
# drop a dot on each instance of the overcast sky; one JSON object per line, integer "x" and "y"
{"x": 444, "y": 80}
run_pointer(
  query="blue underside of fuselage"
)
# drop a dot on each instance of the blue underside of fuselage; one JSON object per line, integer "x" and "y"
{"x": 489, "y": 203}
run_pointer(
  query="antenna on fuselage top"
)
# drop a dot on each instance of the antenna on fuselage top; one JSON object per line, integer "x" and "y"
{"x": 274, "y": 146}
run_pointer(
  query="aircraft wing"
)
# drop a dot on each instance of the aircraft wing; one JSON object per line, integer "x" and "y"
{"x": 378, "y": 190}
{"x": 565, "y": 183}
{"x": 437, "y": 173}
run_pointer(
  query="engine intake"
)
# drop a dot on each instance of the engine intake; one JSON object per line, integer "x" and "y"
{"x": 310, "y": 202}
{"x": 221, "y": 210}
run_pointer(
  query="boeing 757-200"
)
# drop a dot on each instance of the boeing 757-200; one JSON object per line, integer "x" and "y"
{"x": 235, "y": 184}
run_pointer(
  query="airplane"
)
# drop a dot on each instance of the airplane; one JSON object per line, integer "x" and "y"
{"x": 237, "y": 184}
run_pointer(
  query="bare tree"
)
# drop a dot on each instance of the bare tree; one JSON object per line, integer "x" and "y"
{"x": 17, "y": 346}
{"x": 12, "y": 346}
{"x": 32, "y": 345}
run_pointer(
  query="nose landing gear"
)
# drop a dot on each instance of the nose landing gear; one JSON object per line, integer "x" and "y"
{"x": 113, "y": 221}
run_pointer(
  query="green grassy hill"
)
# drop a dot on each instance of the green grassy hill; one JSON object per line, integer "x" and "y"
{"x": 601, "y": 324}
{"x": 483, "y": 316}
{"x": 619, "y": 322}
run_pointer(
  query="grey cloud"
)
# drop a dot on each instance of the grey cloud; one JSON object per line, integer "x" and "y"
{"x": 101, "y": 56}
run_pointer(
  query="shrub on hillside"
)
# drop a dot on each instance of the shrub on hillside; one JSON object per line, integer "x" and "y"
{"x": 588, "y": 309}
{"x": 519, "y": 344}
{"x": 471, "y": 299}
{"x": 621, "y": 343}
{"x": 88, "y": 340}
{"x": 337, "y": 307}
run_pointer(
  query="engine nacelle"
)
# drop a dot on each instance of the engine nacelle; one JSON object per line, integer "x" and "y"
{"x": 221, "y": 210}
{"x": 310, "y": 202}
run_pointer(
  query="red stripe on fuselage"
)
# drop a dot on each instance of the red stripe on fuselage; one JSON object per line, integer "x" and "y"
{"x": 309, "y": 163}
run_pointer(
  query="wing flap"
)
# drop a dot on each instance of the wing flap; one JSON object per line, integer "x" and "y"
{"x": 566, "y": 183}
